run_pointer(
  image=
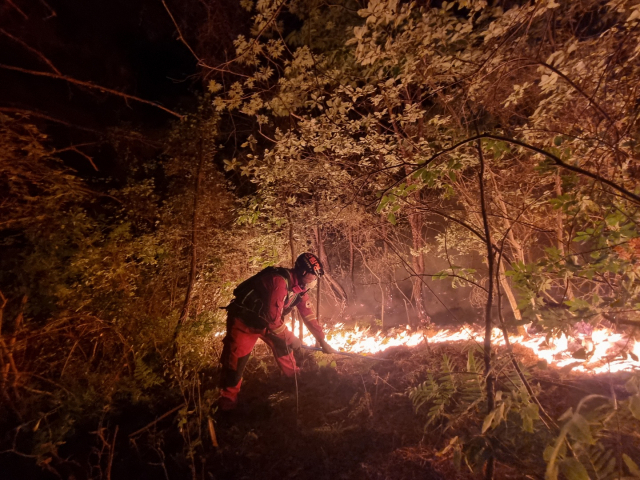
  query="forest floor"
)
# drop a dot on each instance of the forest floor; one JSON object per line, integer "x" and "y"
{"x": 348, "y": 418}
{"x": 353, "y": 419}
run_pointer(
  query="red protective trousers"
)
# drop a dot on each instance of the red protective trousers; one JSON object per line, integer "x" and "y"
{"x": 238, "y": 344}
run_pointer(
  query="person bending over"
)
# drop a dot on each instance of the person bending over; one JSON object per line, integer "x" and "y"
{"x": 258, "y": 311}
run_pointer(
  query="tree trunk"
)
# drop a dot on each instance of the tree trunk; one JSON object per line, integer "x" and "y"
{"x": 194, "y": 237}
{"x": 489, "y": 376}
{"x": 417, "y": 262}
{"x": 293, "y": 264}
{"x": 351, "y": 264}
{"x": 322, "y": 254}
{"x": 560, "y": 238}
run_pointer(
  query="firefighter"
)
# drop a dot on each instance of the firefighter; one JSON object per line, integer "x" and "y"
{"x": 258, "y": 311}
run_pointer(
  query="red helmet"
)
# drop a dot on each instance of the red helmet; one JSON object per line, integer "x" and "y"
{"x": 308, "y": 262}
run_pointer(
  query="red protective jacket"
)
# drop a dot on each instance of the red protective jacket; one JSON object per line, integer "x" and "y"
{"x": 268, "y": 296}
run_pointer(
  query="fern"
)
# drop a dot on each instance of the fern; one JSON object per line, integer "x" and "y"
{"x": 472, "y": 386}
{"x": 449, "y": 394}
{"x": 145, "y": 376}
{"x": 603, "y": 462}
{"x": 586, "y": 431}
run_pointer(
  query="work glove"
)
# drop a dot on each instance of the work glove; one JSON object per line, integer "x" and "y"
{"x": 295, "y": 344}
{"x": 326, "y": 348}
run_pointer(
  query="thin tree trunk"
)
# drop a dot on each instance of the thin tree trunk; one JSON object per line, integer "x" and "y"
{"x": 351, "y": 263}
{"x": 517, "y": 248}
{"x": 387, "y": 275}
{"x": 293, "y": 264}
{"x": 322, "y": 254}
{"x": 318, "y": 298}
{"x": 509, "y": 293}
{"x": 560, "y": 238}
{"x": 417, "y": 261}
{"x": 383, "y": 293}
{"x": 291, "y": 243}
{"x": 415, "y": 221}
{"x": 489, "y": 376}
{"x": 194, "y": 236}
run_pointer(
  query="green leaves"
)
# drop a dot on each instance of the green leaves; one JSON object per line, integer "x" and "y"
{"x": 572, "y": 469}
{"x": 392, "y": 218}
{"x": 634, "y": 406}
{"x": 631, "y": 465}
{"x": 488, "y": 420}
{"x": 579, "y": 429}
{"x": 440, "y": 275}
{"x": 529, "y": 414}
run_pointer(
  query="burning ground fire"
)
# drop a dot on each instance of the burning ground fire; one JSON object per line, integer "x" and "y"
{"x": 605, "y": 351}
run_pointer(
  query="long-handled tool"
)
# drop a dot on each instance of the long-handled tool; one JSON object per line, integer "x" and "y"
{"x": 347, "y": 354}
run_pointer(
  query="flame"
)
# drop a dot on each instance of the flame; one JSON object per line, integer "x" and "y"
{"x": 605, "y": 350}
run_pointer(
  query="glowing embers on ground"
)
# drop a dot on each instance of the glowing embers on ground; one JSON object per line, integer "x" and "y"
{"x": 603, "y": 351}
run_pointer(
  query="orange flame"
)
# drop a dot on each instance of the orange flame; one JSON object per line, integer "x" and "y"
{"x": 605, "y": 351}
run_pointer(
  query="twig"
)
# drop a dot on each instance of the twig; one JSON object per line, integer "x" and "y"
{"x": 386, "y": 383}
{"x": 112, "y": 449}
{"x": 74, "y": 148}
{"x": 557, "y": 384}
{"x": 93, "y": 86}
{"x": 180, "y": 37}
{"x": 162, "y": 417}
{"x": 32, "y": 50}
{"x": 24, "y": 15}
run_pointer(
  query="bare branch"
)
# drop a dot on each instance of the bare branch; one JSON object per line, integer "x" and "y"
{"x": 40, "y": 55}
{"x": 626, "y": 193}
{"x": 91, "y": 85}
{"x": 24, "y": 15}
{"x": 181, "y": 37}
{"x": 74, "y": 148}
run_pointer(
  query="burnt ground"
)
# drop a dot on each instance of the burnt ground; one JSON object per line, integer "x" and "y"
{"x": 351, "y": 419}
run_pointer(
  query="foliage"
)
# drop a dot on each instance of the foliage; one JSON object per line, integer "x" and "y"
{"x": 450, "y": 395}
{"x": 94, "y": 289}
{"x": 583, "y": 449}
{"x": 355, "y": 130}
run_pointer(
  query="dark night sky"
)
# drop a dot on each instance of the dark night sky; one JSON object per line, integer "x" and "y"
{"x": 127, "y": 45}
